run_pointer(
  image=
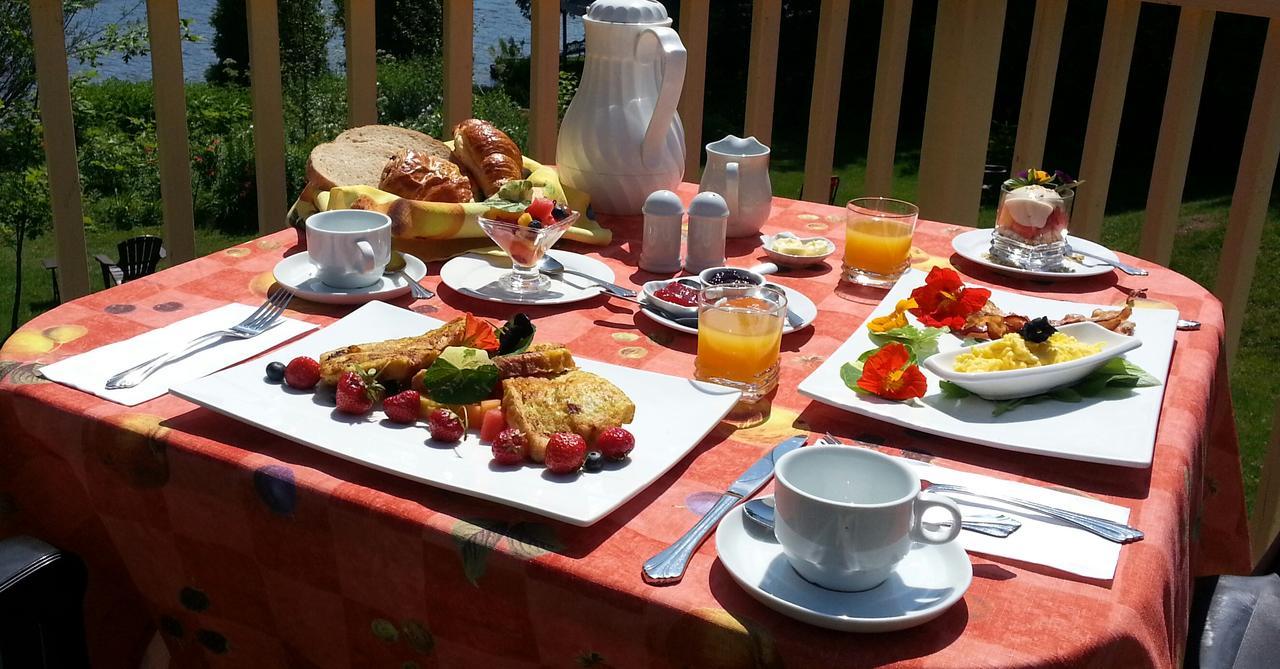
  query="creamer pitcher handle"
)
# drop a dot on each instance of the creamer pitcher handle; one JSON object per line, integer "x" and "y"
{"x": 673, "y": 56}
{"x": 731, "y": 187}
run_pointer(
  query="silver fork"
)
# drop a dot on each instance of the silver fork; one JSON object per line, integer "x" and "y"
{"x": 255, "y": 324}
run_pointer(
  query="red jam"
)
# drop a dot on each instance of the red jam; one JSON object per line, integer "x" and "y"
{"x": 678, "y": 293}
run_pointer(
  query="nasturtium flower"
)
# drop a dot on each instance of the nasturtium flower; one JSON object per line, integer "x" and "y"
{"x": 897, "y": 319}
{"x": 478, "y": 334}
{"x": 890, "y": 374}
{"x": 944, "y": 300}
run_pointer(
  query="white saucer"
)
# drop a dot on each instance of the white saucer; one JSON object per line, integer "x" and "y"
{"x": 797, "y": 302}
{"x": 476, "y": 276}
{"x": 297, "y": 274}
{"x": 975, "y": 245}
{"x": 925, "y": 584}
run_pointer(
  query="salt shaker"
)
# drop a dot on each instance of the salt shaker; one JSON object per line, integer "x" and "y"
{"x": 708, "y": 224}
{"x": 660, "y": 248}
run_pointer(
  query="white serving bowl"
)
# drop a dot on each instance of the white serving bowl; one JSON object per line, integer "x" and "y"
{"x": 1014, "y": 383}
{"x": 677, "y": 310}
{"x": 789, "y": 260}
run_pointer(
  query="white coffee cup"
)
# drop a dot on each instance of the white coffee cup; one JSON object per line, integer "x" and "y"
{"x": 349, "y": 247}
{"x": 846, "y": 516}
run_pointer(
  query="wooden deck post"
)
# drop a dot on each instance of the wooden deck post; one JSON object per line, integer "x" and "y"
{"x": 268, "y": 114}
{"x": 886, "y": 105}
{"x": 1037, "y": 85}
{"x": 362, "y": 63}
{"x": 60, "y": 147}
{"x": 459, "y": 16}
{"x": 174, "y": 151}
{"x": 544, "y": 80}
{"x": 824, "y": 104}
{"x": 762, "y": 69}
{"x": 694, "y": 17}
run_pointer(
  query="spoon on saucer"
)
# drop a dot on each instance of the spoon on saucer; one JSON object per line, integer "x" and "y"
{"x": 395, "y": 267}
{"x": 553, "y": 267}
{"x": 994, "y": 525}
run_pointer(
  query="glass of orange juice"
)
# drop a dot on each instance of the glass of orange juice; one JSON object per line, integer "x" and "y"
{"x": 739, "y": 337}
{"x": 877, "y": 240}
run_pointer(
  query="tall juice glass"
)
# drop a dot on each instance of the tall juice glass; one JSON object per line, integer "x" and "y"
{"x": 739, "y": 337}
{"x": 877, "y": 240}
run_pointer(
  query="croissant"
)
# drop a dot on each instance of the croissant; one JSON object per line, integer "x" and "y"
{"x": 424, "y": 177}
{"x": 487, "y": 153}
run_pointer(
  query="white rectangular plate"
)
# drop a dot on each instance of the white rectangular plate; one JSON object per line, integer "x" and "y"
{"x": 672, "y": 416}
{"x": 1116, "y": 431}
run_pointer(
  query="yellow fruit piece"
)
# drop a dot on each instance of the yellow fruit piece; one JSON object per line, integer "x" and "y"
{"x": 525, "y": 220}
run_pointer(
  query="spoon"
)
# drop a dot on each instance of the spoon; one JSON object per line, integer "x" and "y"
{"x": 687, "y": 321}
{"x": 1123, "y": 267}
{"x": 553, "y": 267}
{"x": 994, "y": 525}
{"x": 395, "y": 267}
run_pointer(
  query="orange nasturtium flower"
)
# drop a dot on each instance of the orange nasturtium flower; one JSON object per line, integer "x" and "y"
{"x": 944, "y": 300}
{"x": 897, "y": 319}
{"x": 890, "y": 374}
{"x": 479, "y": 334}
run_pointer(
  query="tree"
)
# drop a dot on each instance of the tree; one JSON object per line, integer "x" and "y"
{"x": 403, "y": 28}
{"x": 304, "y": 36}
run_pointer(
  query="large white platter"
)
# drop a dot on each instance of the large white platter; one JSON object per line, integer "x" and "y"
{"x": 1117, "y": 431}
{"x": 672, "y": 416}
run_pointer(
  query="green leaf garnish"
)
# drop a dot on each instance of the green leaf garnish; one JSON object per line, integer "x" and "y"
{"x": 952, "y": 391}
{"x": 1115, "y": 373}
{"x": 850, "y": 372}
{"x": 923, "y": 342}
{"x": 460, "y": 375}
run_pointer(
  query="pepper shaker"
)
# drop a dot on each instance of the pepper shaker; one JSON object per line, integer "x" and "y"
{"x": 660, "y": 247}
{"x": 708, "y": 224}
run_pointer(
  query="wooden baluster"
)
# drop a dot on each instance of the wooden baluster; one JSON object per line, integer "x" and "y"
{"x": 762, "y": 69}
{"x": 1037, "y": 85}
{"x": 544, "y": 80}
{"x": 694, "y": 17}
{"x": 1264, "y": 522}
{"x": 268, "y": 114}
{"x": 60, "y": 146}
{"x": 1267, "y": 8}
{"x": 824, "y": 104}
{"x": 891, "y": 65}
{"x": 962, "y": 84}
{"x": 362, "y": 63}
{"x": 459, "y": 16}
{"x": 1177, "y": 127}
{"x": 163, "y": 29}
{"x": 1253, "y": 190}
{"x": 1118, "y": 32}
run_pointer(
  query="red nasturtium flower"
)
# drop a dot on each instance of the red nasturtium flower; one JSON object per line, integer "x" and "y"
{"x": 944, "y": 301}
{"x": 890, "y": 374}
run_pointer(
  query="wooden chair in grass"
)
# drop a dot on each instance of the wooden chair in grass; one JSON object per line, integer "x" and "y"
{"x": 138, "y": 258}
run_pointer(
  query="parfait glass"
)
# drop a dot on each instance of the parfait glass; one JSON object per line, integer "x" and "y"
{"x": 1031, "y": 228}
{"x": 525, "y": 244}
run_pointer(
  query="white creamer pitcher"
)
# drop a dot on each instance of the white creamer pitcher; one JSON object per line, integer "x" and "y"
{"x": 621, "y": 138}
{"x": 738, "y": 169}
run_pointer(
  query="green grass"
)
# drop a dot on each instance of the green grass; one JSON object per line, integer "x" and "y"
{"x": 1255, "y": 378}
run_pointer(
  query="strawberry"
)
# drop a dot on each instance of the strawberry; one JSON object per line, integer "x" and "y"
{"x": 403, "y": 407}
{"x": 615, "y": 443}
{"x": 357, "y": 392}
{"x": 303, "y": 373}
{"x": 445, "y": 426}
{"x": 509, "y": 447}
{"x": 566, "y": 452}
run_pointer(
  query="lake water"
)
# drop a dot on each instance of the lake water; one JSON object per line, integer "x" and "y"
{"x": 494, "y": 20}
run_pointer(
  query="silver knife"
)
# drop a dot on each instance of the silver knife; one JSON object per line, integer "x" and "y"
{"x": 668, "y": 567}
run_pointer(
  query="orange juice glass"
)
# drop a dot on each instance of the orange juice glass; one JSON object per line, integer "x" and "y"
{"x": 739, "y": 337}
{"x": 877, "y": 240}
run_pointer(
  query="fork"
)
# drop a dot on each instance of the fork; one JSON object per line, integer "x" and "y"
{"x": 255, "y": 324}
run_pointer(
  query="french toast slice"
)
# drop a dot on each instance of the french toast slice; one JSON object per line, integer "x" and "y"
{"x": 577, "y": 401}
{"x": 537, "y": 360}
{"x": 392, "y": 359}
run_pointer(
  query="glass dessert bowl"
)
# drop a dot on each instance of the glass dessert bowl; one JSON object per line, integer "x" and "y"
{"x": 525, "y": 241}
{"x": 1031, "y": 221}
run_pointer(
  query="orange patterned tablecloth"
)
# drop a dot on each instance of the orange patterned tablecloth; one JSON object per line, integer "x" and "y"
{"x": 245, "y": 549}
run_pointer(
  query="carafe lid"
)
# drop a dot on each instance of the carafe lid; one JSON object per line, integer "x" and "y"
{"x": 638, "y": 12}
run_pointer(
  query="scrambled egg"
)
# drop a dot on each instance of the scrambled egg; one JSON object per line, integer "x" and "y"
{"x": 1013, "y": 352}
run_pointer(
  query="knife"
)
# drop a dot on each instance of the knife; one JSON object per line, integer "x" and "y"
{"x": 667, "y": 567}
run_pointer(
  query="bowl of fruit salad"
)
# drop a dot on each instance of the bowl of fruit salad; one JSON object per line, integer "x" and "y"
{"x": 1032, "y": 219}
{"x": 524, "y": 225}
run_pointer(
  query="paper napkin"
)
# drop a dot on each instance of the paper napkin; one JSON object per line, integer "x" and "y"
{"x": 1041, "y": 539}
{"x": 89, "y": 371}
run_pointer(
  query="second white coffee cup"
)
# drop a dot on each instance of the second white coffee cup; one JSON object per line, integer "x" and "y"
{"x": 846, "y": 516}
{"x": 350, "y": 247}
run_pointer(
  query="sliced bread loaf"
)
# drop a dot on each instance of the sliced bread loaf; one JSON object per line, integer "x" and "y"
{"x": 357, "y": 156}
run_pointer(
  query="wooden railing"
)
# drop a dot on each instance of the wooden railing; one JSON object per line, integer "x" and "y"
{"x": 958, "y": 114}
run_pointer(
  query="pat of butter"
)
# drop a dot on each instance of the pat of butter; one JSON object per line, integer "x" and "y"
{"x": 798, "y": 247}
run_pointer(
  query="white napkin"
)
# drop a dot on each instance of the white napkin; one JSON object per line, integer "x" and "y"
{"x": 1041, "y": 539}
{"x": 90, "y": 370}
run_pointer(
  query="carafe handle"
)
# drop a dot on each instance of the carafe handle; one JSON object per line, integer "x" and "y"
{"x": 673, "y": 56}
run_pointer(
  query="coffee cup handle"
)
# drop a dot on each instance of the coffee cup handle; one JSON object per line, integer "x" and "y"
{"x": 368, "y": 259}
{"x": 925, "y": 501}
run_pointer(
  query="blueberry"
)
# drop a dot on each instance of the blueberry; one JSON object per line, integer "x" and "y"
{"x": 536, "y": 224}
{"x": 594, "y": 463}
{"x": 560, "y": 212}
{"x": 275, "y": 372}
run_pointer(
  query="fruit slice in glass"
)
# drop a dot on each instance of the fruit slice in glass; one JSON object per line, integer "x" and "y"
{"x": 526, "y": 244}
